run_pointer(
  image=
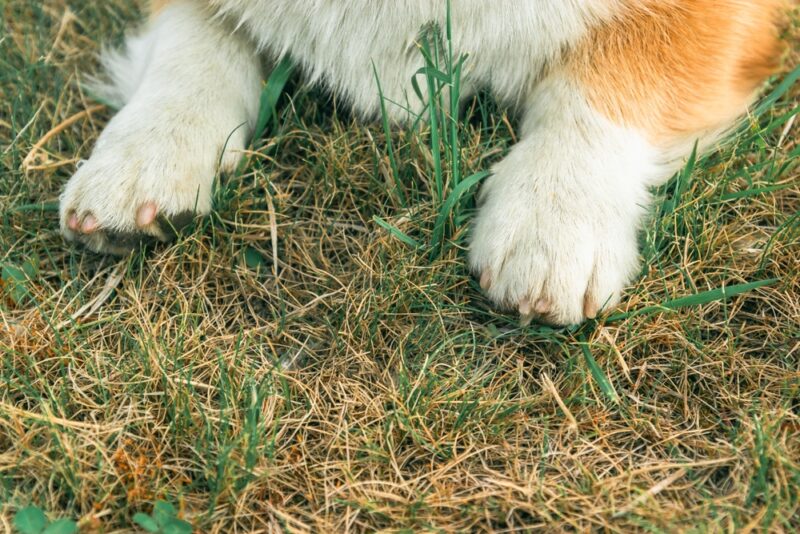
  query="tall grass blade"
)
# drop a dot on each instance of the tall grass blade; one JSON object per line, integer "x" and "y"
{"x": 449, "y": 206}
{"x": 395, "y": 232}
{"x": 597, "y": 373}
{"x": 269, "y": 96}
{"x": 698, "y": 299}
{"x": 782, "y": 88}
{"x": 387, "y": 131}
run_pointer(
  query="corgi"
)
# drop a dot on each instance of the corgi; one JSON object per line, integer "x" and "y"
{"x": 612, "y": 96}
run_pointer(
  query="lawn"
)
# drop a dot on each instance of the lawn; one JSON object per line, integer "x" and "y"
{"x": 315, "y": 356}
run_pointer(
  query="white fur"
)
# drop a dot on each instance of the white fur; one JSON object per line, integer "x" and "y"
{"x": 337, "y": 41}
{"x": 192, "y": 91}
{"x": 560, "y": 214}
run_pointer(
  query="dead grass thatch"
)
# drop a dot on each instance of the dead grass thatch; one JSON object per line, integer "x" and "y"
{"x": 289, "y": 365}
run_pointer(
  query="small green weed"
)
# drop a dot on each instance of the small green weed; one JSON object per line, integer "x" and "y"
{"x": 32, "y": 520}
{"x": 163, "y": 520}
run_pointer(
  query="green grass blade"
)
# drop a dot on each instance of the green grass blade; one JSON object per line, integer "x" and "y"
{"x": 455, "y": 99}
{"x": 790, "y": 227}
{"x": 698, "y": 299}
{"x": 449, "y": 205}
{"x": 433, "y": 118}
{"x": 399, "y": 234}
{"x": 755, "y": 192}
{"x": 38, "y": 207}
{"x": 387, "y": 131}
{"x": 436, "y": 74}
{"x": 683, "y": 179}
{"x": 781, "y": 89}
{"x": 270, "y": 95}
{"x": 597, "y": 373}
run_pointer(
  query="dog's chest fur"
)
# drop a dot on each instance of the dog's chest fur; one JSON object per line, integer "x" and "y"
{"x": 340, "y": 40}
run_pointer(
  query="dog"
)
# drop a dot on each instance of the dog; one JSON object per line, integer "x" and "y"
{"x": 612, "y": 95}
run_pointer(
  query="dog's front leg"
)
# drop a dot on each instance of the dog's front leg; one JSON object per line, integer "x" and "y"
{"x": 190, "y": 89}
{"x": 556, "y": 234}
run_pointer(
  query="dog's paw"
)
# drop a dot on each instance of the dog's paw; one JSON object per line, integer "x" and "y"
{"x": 148, "y": 176}
{"x": 557, "y": 256}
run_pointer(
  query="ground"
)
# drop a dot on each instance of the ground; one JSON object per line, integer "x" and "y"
{"x": 305, "y": 360}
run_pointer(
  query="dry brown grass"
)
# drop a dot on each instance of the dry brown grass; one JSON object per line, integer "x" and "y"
{"x": 351, "y": 383}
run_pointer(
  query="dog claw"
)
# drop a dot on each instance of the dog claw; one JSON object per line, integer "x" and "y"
{"x": 89, "y": 224}
{"x": 146, "y": 214}
{"x": 542, "y": 306}
{"x": 590, "y": 307}
{"x": 525, "y": 308}
{"x": 486, "y": 280}
{"x": 73, "y": 223}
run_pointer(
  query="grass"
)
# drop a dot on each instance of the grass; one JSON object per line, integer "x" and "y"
{"x": 315, "y": 357}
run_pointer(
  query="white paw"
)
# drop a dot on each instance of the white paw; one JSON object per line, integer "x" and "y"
{"x": 150, "y": 173}
{"x": 551, "y": 249}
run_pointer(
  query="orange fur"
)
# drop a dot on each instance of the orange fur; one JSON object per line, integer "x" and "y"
{"x": 157, "y": 5}
{"x": 676, "y": 68}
